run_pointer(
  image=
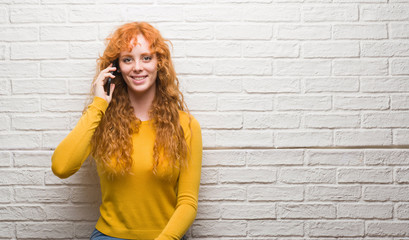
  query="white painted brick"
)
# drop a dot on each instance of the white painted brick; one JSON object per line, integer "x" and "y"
{"x": 184, "y": 31}
{"x": 11, "y": 34}
{"x": 272, "y": 13}
{"x": 303, "y": 32}
{"x": 402, "y": 211}
{"x": 333, "y": 193}
{"x": 153, "y": 14}
{"x": 20, "y": 140}
{"x": 212, "y": 84}
{"x": 207, "y": 14}
{"x": 275, "y": 193}
{"x": 388, "y": 12}
{"x": 365, "y": 175}
{"x": 397, "y": 157}
{"x": 166, "y": 2}
{"x": 268, "y": 84}
{"x": 218, "y": 158}
{"x": 306, "y": 211}
{"x": 9, "y": 69}
{"x": 21, "y": 177}
{"x": 2, "y": 52}
{"x": 73, "y": 213}
{"x": 400, "y": 102}
{"x": 228, "y": 228}
{"x": 213, "y": 49}
{"x": 67, "y": 69}
{"x": 332, "y": 120}
{"x": 401, "y": 137}
{"x": 297, "y": 102}
{"x": 193, "y": 66}
{"x": 402, "y": 175}
{"x": 62, "y": 105}
{"x": 4, "y": 122}
{"x": 395, "y": 229}
{"x": 385, "y": 49}
{"x": 84, "y": 176}
{"x": 5, "y": 87}
{"x": 360, "y": 1}
{"x": 384, "y": 84}
{"x": 39, "y": 51}
{"x": 32, "y": 159}
{"x": 307, "y": 175}
{"x": 39, "y": 122}
{"x": 247, "y": 175}
{"x": 334, "y": 157}
{"x": 302, "y": 67}
{"x": 23, "y": 86}
{"x": 5, "y": 159}
{"x": 385, "y": 119}
{"x": 37, "y": 15}
{"x": 22, "y": 213}
{"x": 271, "y": 49}
{"x": 91, "y": 194}
{"x": 386, "y": 193}
{"x": 79, "y": 86}
{"x": 244, "y": 31}
{"x": 336, "y": 228}
{"x": 400, "y": 66}
{"x": 42, "y": 194}
{"x": 330, "y": 49}
{"x": 222, "y": 193}
{"x": 220, "y": 120}
{"x": 399, "y": 30}
{"x": 359, "y": 31}
{"x": 361, "y": 102}
{"x": 4, "y": 18}
{"x": 248, "y": 211}
{"x": 86, "y": 50}
{"x": 243, "y": 67}
{"x": 209, "y": 176}
{"x": 52, "y": 139}
{"x": 360, "y": 67}
{"x": 6, "y": 196}
{"x": 68, "y": 33}
{"x": 201, "y": 102}
{"x": 7, "y": 230}
{"x": 365, "y": 211}
{"x": 83, "y": 230}
{"x": 363, "y": 137}
{"x": 244, "y": 138}
{"x": 303, "y": 139}
{"x": 209, "y": 138}
{"x": 90, "y": 14}
{"x": 264, "y": 228}
{"x": 245, "y": 102}
{"x": 68, "y": 1}
{"x": 274, "y": 157}
{"x": 271, "y": 120}
{"x": 208, "y": 211}
{"x": 337, "y": 13}
{"x": 46, "y": 230}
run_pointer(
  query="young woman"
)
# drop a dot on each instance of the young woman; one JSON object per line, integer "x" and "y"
{"x": 147, "y": 147}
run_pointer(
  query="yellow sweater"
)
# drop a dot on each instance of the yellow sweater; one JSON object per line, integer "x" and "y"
{"x": 141, "y": 205}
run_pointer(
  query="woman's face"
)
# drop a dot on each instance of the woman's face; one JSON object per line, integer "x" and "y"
{"x": 139, "y": 68}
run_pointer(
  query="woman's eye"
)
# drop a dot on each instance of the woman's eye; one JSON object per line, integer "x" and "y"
{"x": 147, "y": 58}
{"x": 126, "y": 60}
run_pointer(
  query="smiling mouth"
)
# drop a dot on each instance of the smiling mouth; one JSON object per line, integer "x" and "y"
{"x": 138, "y": 78}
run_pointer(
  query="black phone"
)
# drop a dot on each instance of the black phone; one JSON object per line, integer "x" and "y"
{"x": 115, "y": 73}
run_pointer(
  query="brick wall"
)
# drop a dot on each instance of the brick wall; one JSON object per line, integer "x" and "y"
{"x": 304, "y": 108}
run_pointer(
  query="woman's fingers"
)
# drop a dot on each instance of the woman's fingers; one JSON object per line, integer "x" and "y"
{"x": 100, "y": 82}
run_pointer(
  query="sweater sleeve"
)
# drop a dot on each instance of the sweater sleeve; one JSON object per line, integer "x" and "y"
{"x": 188, "y": 189}
{"x": 71, "y": 153}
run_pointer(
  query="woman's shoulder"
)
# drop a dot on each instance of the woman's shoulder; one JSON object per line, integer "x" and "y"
{"x": 186, "y": 119}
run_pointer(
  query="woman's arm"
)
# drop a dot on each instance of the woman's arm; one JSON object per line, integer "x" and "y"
{"x": 71, "y": 153}
{"x": 188, "y": 189}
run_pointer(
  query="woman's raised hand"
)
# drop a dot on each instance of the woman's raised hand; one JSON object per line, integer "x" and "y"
{"x": 99, "y": 83}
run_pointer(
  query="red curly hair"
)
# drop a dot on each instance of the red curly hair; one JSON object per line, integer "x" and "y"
{"x": 112, "y": 141}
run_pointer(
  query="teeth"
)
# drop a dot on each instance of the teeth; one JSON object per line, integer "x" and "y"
{"x": 138, "y": 78}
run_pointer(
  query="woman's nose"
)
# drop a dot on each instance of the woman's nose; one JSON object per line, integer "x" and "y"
{"x": 137, "y": 66}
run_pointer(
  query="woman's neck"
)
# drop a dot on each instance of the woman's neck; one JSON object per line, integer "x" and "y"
{"x": 142, "y": 103}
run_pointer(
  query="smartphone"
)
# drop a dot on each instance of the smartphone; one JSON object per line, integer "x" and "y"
{"x": 115, "y": 73}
